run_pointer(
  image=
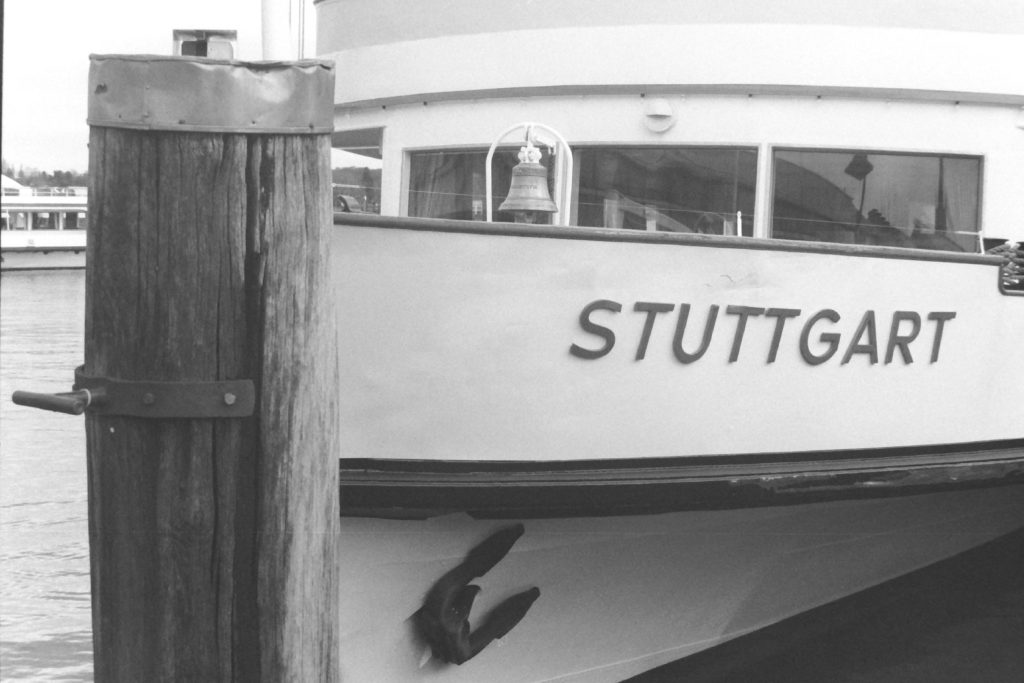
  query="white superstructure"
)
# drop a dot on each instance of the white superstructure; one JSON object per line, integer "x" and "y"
{"x": 931, "y": 78}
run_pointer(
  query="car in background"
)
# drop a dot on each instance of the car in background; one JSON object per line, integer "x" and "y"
{"x": 344, "y": 203}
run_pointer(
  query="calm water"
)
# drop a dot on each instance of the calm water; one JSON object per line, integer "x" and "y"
{"x": 45, "y": 623}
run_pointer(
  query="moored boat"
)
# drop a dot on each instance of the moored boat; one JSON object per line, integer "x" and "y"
{"x": 43, "y": 230}
{"x": 752, "y": 360}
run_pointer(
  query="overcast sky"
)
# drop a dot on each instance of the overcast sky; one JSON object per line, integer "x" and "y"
{"x": 46, "y": 63}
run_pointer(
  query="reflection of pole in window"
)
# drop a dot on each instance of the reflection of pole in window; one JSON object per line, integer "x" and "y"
{"x": 859, "y": 168}
{"x": 478, "y": 196}
{"x": 940, "y": 201}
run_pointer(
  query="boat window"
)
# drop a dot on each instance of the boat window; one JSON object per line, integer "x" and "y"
{"x": 356, "y": 169}
{"x": 205, "y": 43}
{"x": 17, "y": 220}
{"x": 675, "y": 189}
{"x": 708, "y": 190}
{"x": 45, "y": 221}
{"x": 924, "y": 201}
{"x": 75, "y": 220}
{"x": 452, "y": 184}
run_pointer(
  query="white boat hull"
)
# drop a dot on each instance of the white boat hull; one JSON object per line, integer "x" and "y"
{"x": 462, "y": 344}
{"x": 674, "y": 496}
{"x": 622, "y": 595}
{"x": 42, "y": 249}
{"x": 26, "y": 243}
{"x": 62, "y": 258}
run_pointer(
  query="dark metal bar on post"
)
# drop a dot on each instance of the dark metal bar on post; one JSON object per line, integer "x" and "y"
{"x": 213, "y": 539}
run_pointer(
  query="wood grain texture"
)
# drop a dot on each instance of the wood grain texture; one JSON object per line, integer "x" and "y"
{"x": 213, "y": 542}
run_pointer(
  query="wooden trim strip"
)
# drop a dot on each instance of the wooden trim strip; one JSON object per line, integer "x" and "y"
{"x": 420, "y": 488}
{"x": 977, "y": 450}
{"x": 363, "y": 220}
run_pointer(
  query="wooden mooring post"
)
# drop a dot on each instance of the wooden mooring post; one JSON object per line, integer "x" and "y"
{"x": 213, "y": 536}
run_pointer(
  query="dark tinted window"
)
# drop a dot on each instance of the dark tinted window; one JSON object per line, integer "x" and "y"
{"x": 677, "y": 189}
{"x": 450, "y": 184}
{"x": 74, "y": 220}
{"x": 356, "y": 165}
{"x": 903, "y": 200}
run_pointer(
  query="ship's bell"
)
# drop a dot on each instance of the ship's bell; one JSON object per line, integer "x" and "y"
{"x": 529, "y": 188}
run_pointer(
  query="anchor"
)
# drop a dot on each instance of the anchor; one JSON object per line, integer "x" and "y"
{"x": 443, "y": 621}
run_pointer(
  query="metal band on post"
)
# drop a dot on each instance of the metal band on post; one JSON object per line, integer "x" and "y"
{"x": 149, "y": 92}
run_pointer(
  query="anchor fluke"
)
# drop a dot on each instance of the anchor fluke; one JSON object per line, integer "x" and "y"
{"x": 501, "y": 620}
{"x": 443, "y": 620}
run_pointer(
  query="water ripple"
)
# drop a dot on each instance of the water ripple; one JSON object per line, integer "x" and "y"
{"x": 45, "y": 617}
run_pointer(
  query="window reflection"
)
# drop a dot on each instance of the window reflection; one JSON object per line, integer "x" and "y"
{"x": 75, "y": 220}
{"x": 355, "y": 180}
{"x": 356, "y": 165}
{"x": 699, "y": 190}
{"x": 451, "y": 184}
{"x": 904, "y": 200}
{"x": 45, "y": 220}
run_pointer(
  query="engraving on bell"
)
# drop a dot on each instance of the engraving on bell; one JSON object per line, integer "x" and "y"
{"x": 528, "y": 190}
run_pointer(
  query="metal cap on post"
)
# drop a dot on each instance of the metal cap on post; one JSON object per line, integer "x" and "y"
{"x": 150, "y": 92}
{"x": 213, "y": 533}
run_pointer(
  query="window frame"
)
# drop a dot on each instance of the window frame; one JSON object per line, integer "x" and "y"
{"x": 407, "y": 159}
{"x": 769, "y": 203}
{"x": 756, "y": 149}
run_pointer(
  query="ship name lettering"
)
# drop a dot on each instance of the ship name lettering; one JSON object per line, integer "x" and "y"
{"x": 818, "y": 336}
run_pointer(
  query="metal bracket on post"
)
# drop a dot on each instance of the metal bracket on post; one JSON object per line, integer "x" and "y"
{"x": 106, "y": 396}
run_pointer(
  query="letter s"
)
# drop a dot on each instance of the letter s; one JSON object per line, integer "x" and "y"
{"x": 595, "y": 329}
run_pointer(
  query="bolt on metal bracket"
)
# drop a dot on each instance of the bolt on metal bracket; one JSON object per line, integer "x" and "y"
{"x": 107, "y": 396}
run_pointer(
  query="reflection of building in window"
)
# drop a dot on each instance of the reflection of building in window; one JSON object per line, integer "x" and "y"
{"x": 676, "y": 189}
{"x": 905, "y": 200}
{"x": 699, "y": 190}
{"x": 21, "y": 220}
{"x": 45, "y": 221}
{"x": 74, "y": 220}
{"x": 448, "y": 184}
{"x": 356, "y": 170}
{"x": 356, "y": 189}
